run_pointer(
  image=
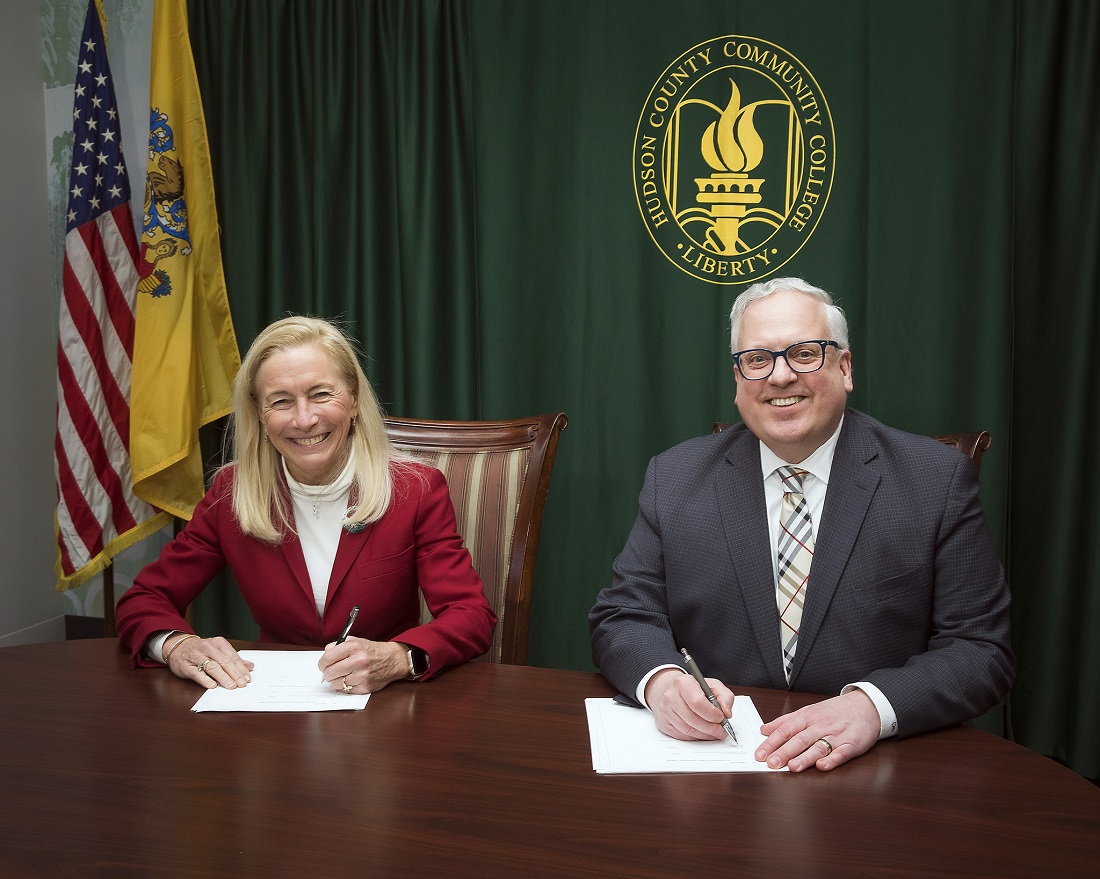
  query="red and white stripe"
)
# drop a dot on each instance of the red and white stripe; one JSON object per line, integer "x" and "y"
{"x": 96, "y": 503}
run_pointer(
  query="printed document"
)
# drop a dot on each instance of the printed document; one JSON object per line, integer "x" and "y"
{"x": 283, "y": 680}
{"x": 626, "y": 740}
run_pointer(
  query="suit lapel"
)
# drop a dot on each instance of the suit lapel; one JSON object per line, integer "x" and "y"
{"x": 346, "y": 553}
{"x": 291, "y": 548}
{"x": 739, "y": 486}
{"x": 853, "y": 482}
{"x": 347, "y": 550}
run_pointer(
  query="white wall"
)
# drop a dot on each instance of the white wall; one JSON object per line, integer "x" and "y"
{"x": 30, "y": 609}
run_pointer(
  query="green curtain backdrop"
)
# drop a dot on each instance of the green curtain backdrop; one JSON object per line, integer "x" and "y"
{"x": 341, "y": 132}
{"x": 455, "y": 180}
{"x": 1054, "y": 551}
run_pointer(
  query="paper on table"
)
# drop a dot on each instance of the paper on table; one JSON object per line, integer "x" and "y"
{"x": 283, "y": 680}
{"x": 625, "y": 739}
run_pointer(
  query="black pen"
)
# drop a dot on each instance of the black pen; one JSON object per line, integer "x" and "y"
{"x": 347, "y": 628}
{"x": 698, "y": 675}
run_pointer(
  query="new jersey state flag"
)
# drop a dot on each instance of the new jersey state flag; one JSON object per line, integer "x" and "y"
{"x": 185, "y": 352}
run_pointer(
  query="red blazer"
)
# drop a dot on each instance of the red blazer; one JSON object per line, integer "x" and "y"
{"x": 415, "y": 544}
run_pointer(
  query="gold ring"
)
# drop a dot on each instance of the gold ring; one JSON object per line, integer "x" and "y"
{"x": 347, "y": 689}
{"x": 827, "y": 746}
{"x": 202, "y": 668}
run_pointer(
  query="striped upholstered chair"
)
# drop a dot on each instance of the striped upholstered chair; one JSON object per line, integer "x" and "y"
{"x": 498, "y": 473}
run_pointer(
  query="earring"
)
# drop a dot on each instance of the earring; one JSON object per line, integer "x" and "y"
{"x": 265, "y": 437}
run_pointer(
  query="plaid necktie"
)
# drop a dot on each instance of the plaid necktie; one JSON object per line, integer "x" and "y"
{"x": 795, "y": 553}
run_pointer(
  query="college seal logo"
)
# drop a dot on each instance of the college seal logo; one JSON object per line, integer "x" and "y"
{"x": 733, "y": 159}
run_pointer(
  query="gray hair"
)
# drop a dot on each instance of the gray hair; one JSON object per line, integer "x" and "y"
{"x": 834, "y": 316}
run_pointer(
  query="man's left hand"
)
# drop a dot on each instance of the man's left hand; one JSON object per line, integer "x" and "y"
{"x": 801, "y": 739}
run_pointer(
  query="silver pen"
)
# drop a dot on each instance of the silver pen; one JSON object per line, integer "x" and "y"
{"x": 698, "y": 675}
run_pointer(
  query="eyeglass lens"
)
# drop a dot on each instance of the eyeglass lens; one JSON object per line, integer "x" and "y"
{"x": 800, "y": 357}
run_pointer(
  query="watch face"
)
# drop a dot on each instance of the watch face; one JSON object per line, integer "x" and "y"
{"x": 418, "y": 661}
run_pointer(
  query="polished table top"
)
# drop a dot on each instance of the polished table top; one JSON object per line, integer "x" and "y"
{"x": 485, "y": 771}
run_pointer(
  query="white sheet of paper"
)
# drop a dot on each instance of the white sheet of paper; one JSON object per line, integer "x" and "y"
{"x": 283, "y": 680}
{"x": 626, "y": 740}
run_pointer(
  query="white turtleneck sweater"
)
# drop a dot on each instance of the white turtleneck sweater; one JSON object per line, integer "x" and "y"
{"x": 319, "y": 512}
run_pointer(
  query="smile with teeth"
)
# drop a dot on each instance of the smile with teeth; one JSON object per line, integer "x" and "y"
{"x": 784, "y": 401}
{"x": 309, "y": 440}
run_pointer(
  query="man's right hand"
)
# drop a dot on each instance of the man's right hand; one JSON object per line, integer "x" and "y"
{"x": 680, "y": 708}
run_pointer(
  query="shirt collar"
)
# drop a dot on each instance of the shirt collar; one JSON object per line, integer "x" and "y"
{"x": 819, "y": 464}
{"x": 335, "y": 488}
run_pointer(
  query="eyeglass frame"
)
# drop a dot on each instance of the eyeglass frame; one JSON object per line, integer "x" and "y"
{"x": 824, "y": 343}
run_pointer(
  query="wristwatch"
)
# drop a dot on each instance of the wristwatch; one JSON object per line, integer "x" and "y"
{"x": 418, "y": 662}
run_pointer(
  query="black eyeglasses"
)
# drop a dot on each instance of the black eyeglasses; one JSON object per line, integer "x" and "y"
{"x": 758, "y": 363}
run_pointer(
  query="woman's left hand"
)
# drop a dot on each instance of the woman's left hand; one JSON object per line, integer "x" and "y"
{"x": 362, "y": 666}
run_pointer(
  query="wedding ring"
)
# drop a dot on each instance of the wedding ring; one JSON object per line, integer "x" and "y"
{"x": 828, "y": 746}
{"x": 347, "y": 689}
{"x": 202, "y": 668}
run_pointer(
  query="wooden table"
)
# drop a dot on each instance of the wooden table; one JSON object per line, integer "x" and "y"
{"x": 484, "y": 772}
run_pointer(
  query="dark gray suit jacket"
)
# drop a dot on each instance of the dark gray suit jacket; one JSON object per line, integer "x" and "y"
{"x": 905, "y": 590}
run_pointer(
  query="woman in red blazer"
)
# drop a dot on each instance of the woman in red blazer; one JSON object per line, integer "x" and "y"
{"x": 317, "y": 514}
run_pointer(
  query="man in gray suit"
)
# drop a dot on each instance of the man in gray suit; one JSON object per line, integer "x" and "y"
{"x": 871, "y": 578}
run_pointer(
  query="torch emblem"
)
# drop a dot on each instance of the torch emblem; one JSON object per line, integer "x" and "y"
{"x": 733, "y": 149}
{"x": 733, "y": 159}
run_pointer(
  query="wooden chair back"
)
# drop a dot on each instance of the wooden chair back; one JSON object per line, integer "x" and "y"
{"x": 498, "y": 473}
{"x": 972, "y": 444}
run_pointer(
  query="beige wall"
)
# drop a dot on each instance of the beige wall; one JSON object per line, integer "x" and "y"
{"x": 29, "y": 608}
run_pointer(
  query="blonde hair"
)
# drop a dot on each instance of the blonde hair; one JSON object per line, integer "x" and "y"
{"x": 261, "y": 507}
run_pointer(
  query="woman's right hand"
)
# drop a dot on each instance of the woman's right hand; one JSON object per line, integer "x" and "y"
{"x": 211, "y": 662}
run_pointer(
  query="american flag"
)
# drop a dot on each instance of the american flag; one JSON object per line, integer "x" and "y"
{"x": 98, "y": 514}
